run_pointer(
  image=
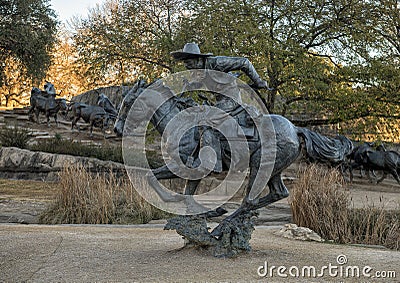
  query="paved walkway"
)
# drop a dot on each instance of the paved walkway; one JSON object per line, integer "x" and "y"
{"x": 147, "y": 253}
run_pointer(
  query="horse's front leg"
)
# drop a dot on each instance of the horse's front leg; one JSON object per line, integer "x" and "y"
{"x": 371, "y": 180}
{"x": 161, "y": 173}
{"x": 55, "y": 119}
{"x": 164, "y": 172}
{"x": 73, "y": 123}
{"x": 30, "y": 113}
{"x": 37, "y": 115}
{"x": 91, "y": 128}
{"x": 277, "y": 191}
{"x": 48, "y": 114}
{"x": 193, "y": 207}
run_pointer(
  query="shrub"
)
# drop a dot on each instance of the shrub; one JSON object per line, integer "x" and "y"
{"x": 15, "y": 136}
{"x": 70, "y": 147}
{"x": 87, "y": 199}
{"x": 321, "y": 202}
{"x": 375, "y": 226}
{"x": 105, "y": 152}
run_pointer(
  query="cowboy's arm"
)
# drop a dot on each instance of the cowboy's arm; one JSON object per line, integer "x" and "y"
{"x": 227, "y": 64}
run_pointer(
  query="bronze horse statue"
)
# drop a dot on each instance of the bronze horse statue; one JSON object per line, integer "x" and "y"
{"x": 42, "y": 102}
{"x": 371, "y": 158}
{"x": 287, "y": 146}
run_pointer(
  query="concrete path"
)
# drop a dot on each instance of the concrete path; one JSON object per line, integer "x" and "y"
{"x": 147, "y": 253}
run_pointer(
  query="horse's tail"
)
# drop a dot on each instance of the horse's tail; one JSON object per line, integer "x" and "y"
{"x": 325, "y": 149}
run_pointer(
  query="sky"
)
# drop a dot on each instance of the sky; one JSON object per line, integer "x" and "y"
{"x": 65, "y": 9}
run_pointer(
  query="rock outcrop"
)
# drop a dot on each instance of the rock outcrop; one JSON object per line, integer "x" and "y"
{"x": 16, "y": 163}
{"x": 114, "y": 93}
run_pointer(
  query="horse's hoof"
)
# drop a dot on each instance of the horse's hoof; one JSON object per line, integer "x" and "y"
{"x": 215, "y": 213}
{"x": 221, "y": 211}
{"x": 216, "y": 233}
{"x": 250, "y": 203}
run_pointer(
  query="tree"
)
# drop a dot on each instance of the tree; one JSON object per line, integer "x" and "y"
{"x": 65, "y": 72}
{"x": 328, "y": 61}
{"x": 15, "y": 84}
{"x": 123, "y": 39}
{"x": 27, "y": 34}
{"x": 319, "y": 56}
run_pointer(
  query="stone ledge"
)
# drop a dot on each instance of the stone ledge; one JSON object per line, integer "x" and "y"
{"x": 16, "y": 163}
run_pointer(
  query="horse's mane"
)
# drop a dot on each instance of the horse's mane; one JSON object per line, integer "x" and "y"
{"x": 158, "y": 86}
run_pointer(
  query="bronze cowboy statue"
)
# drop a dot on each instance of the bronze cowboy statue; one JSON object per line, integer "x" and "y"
{"x": 195, "y": 60}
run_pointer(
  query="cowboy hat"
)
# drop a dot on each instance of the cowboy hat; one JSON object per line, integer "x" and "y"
{"x": 190, "y": 50}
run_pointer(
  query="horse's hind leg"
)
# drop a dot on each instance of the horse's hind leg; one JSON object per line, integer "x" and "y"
{"x": 383, "y": 177}
{"x": 55, "y": 119}
{"x": 160, "y": 173}
{"x": 395, "y": 175}
{"x": 73, "y": 123}
{"x": 277, "y": 191}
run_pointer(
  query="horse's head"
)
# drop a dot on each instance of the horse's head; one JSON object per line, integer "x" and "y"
{"x": 129, "y": 98}
{"x": 104, "y": 102}
{"x": 69, "y": 106}
{"x": 62, "y": 102}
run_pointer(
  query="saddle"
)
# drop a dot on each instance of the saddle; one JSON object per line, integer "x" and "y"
{"x": 245, "y": 115}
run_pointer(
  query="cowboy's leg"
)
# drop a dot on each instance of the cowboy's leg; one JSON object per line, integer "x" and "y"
{"x": 210, "y": 138}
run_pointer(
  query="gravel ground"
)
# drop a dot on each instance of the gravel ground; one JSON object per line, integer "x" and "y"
{"x": 147, "y": 253}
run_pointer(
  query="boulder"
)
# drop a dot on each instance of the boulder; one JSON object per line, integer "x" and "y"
{"x": 16, "y": 163}
{"x": 292, "y": 231}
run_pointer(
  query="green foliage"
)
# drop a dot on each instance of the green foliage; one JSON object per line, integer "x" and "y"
{"x": 15, "y": 136}
{"x": 66, "y": 146}
{"x": 110, "y": 152}
{"x": 27, "y": 33}
{"x": 328, "y": 61}
{"x": 124, "y": 39}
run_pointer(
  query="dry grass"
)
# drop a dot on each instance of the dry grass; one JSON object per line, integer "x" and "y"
{"x": 374, "y": 225}
{"x": 27, "y": 190}
{"x": 87, "y": 199}
{"x": 321, "y": 202}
